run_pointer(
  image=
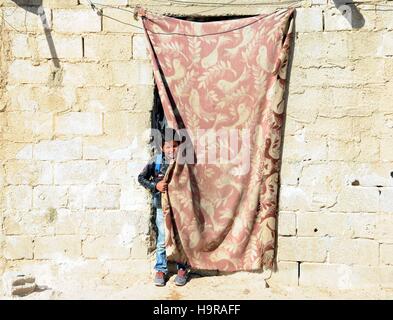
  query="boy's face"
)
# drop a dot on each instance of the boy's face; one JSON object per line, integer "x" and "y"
{"x": 170, "y": 149}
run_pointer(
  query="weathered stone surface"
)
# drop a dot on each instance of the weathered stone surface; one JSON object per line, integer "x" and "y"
{"x": 40, "y": 98}
{"x": 18, "y": 247}
{"x": 348, "y": 17}
{"x": 386, "y": 251}
{"x": 120, "y": 21}
{"x": 74, "y": 132}
{"x": 27, "y": 18}
{"x": 86, "y": 74}
{"x": 105, "y": 248}
{"x": 50, "y": 196}
{"x": 64, "y": 47}
{"x": 285, "y": 275}
{"x": 20, "y": 172}
{"x": 294, "y": 198}
{"x": 286, "y": 224}
{"x": 302, "y": 249}
{"x": 320, "y": 224}
{"x": 57, "y": 247}
{"x": 358, "y": 199}
{"x": 103, "y": 196}
{"x": 23, "y": 71}
{"x": 127, "y": 73}
{"x": 354, "y": 251}
{"x": 76, "y": 21}
{"x": 59, "y": 150}
{"x": 343, "y": 276}
{"x": 18, "y": 197}
{"x": 79, "y": 123}
{"x": 79, "y": 172}
{"x": 139, "y": 47}
{"x": 28, "y": 126}
{"x": 108, "y": 47}
{"x": 310, "y": 20}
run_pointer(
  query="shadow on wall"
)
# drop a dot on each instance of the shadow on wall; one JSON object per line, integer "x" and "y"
{"x": 36, "y": 8}
{"x": 349, "y": 10}
{"x": 286, "y": 97}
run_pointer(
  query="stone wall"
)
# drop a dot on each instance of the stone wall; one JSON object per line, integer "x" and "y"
{"x": 74, "y": 98}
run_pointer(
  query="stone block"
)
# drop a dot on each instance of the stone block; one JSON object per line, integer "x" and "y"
{"x": 302, "y": 249}
{"x": 285, "y": 275}
{"x": 115, "y": 223}
{"x": 57, "y": 247}
{"x": 28, "y": 172}
{"x": 309, "y": 148}
{"x": 321, "y": 224}
{"x": 386, "y": 200}
{"x": 23, "y": 71}
{"x": 102, "y": 196}
{"x": 294, "y": 198}
{"x": 309, "y": 19}
{"x": 345, "y": 277}
{"x": 116, "y": 20}
{"x": 42, "y": 99}
{"x": 63, "y": 47}
{"x": 358, "y": 199}
{"x": 131, "y": 73}
{"x": 58, "y": 150}
{"x": 286, "y": 224}
{"x": 79, "y": 172}
{"x": 105, "y": 248}
{"x": 20, "y": 46}
{"x": 342, "y": 150}
{"x": 107, "y": 147}
{"x": 18, "y": 247}
{"x": 139, "y": 47}
{"x": 354, "y": 251}
{"x": 50, "y": 197}
{"x": 28, "y": 126}
{"x": 384, "y": 228}
{"x": 332, "y": 49}
{"x": 386, "y": 252}
{"x": 290, "y": 173}
{"x": 17, "y": 151}
{"x": 108, "y": 47}
{"x": 133, "y": 198}
{"x": 86, "y": 74}
{"x": 18, "y": 197}
{"x": 386, "y": 143}
{"x": 349, "y": 17}
{"x": 139, "y": 249}
{"x": 79, "y": 123}
{"x": 76, "y": 21}
{"x": 28, "y": 18}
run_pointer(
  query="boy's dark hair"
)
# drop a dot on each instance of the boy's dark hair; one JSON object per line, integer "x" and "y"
{"x": 170, "y": 134}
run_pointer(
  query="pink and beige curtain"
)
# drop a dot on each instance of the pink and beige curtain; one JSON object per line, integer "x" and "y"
{"x": 223, "y": 75}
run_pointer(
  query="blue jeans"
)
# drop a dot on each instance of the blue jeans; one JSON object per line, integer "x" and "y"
{"x": 161, "y": 260}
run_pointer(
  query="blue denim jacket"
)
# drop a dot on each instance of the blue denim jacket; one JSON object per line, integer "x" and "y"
{"x": 149, "y": 178}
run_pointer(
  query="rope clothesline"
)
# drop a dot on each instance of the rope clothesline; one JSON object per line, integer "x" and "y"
{"x": 211, "y": 34}
{"x": 292, "y": 5}
{"x": 98, "y": 7}
{"x": 274, "y": 3}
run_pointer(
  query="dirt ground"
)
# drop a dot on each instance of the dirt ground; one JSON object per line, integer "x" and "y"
{"x": 234, "y": 287}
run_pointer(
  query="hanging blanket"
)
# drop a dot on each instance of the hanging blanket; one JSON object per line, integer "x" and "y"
{"x": 222, "y": 84}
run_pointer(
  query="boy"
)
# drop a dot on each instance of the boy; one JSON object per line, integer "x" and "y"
{"x": 151, "y": 178}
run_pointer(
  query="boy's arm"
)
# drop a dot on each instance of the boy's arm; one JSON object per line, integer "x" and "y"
{"x": 145, "y": 176}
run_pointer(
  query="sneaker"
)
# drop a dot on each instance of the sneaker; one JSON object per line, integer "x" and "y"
{"x": 181, "y": 278}
{"x": 159, "y": 280}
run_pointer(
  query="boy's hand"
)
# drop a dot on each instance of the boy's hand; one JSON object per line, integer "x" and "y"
{"x": 162, "y": 186}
